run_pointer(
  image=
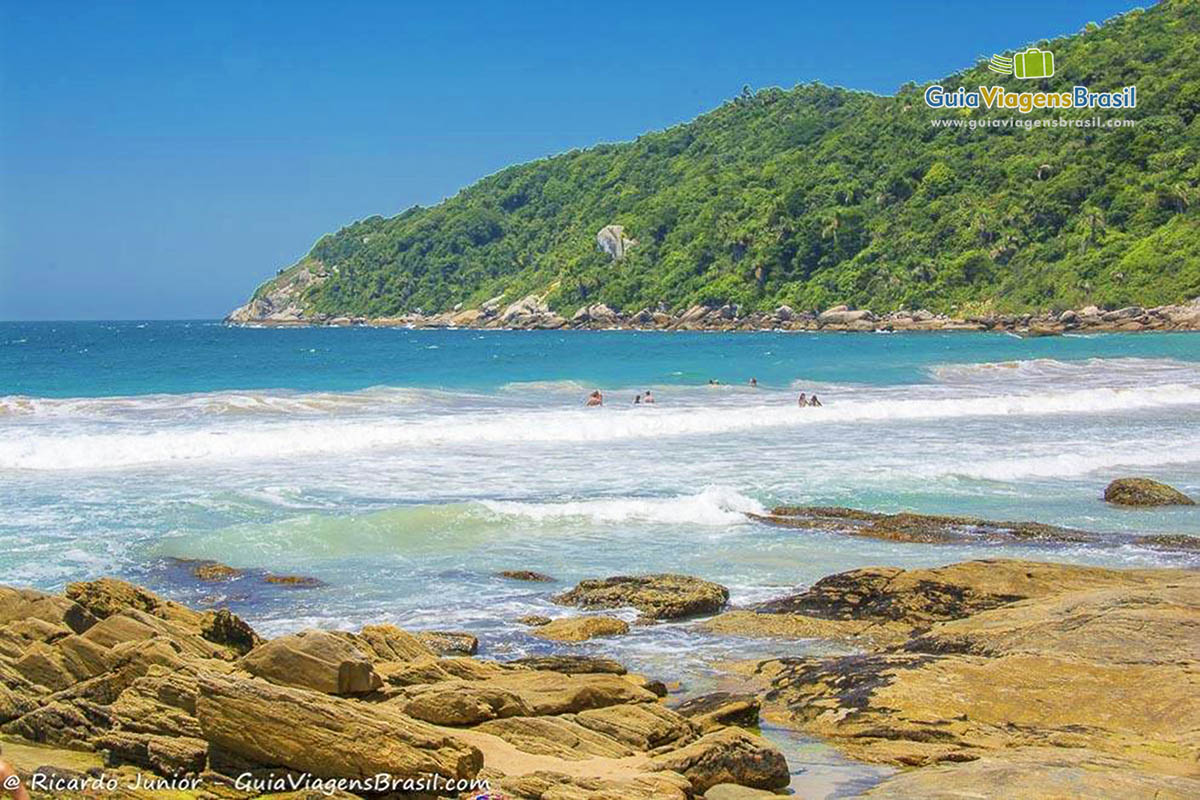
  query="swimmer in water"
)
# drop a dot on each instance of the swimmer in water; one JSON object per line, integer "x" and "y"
{"x": 802, "y": 400}
{"x": 814, "y": 401}
{"x": 754, "y": 382}
{"x": 649, "y": 398}
{"x": 595, "y": 399}
{"x": 637, "y": 401}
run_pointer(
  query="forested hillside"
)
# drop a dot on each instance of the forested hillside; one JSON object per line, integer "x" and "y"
{"x": 814, "y": 196}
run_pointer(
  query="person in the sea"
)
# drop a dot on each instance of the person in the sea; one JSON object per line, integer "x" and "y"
{"x": 649, "y": 398}
{"x": 813, "y": 401}
{"x": 802, "y": 400}
{"x": 637, "y": 401}
{"x": 595, "y": 399}
{"x": 754, "y": 381}
{"x": 713, "y": 382}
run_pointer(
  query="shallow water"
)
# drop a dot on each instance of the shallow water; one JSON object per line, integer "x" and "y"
{"x": 404, "y": 468}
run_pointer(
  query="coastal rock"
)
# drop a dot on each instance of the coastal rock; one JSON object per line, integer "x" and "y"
{"x": 720, "y": 709}
{"x": 534, "y": 620}
{"x": 572, "y": 664}
{"x": 661, "y": 596}
{"x": 25, "y": 604}
{"x": 317, "y": 660}
{"x": 294, "y": 581}
{"x": 323, "y": 735}
{"x": 919, "y": 597}
{"x": 450, "y": 643}
{"x": 1036, "y": 773}
{"x": 728, "y": 756}
{"x": 919, "y": 528}
{"x": 146, "y": 687}
{"x": 579, "y": 629}
{"x": 998, "y": 681}
{"x": 525, "y": 575}
{"x": 1144, "y": 492}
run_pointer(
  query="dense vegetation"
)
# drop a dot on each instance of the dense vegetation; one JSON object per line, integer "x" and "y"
{"x": 816, "y": 196}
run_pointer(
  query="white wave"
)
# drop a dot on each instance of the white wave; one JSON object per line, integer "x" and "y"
{"x": 39, "y": 448}
{"x": 715, "y": 505}
{"x": 1051, "y": 371}
{"x": 225, "y": 403}
{"x": 1073, "y": 464}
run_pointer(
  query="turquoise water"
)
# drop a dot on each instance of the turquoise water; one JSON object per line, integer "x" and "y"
{"x": 404, "y": 468}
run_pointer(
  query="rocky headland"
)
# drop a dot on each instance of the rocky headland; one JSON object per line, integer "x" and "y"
{"x": 282, "y": 307}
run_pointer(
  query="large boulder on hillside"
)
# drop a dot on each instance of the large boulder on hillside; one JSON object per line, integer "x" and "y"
{"x": 326, "y": 736}
{"x": 611, "y": 239}
{"x": 317, "y": 660}
{"x": 1145, "y": 492}
{"x": 662, "y": 596}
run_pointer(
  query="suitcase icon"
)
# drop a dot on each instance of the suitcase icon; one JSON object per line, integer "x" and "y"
{"x": 1033, "y": 63}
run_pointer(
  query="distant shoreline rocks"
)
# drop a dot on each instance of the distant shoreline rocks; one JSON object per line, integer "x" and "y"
{"x": 533, "y": 313}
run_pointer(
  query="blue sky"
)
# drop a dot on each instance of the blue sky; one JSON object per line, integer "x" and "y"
{"x": 159, "y": 160}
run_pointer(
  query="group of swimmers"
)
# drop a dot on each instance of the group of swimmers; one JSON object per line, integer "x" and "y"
{"x": 596, "y": 398}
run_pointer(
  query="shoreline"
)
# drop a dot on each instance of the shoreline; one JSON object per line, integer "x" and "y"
{"x": 531, "y": 313}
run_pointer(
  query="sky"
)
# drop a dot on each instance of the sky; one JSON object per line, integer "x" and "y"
{"x": 160, "y": 160}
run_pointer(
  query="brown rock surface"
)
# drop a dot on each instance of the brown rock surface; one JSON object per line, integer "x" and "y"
{"x": 918, "y": 528}
{"x": 1145, "y": 492}
{"x": 662, "y": 596}
{"x": 317, "y": 660}
{"x": 579, "y": 629}
{"x": 1101, "y": 665}
{"x": 323, "y": 735}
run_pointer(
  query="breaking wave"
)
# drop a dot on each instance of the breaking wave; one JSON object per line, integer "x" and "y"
{"x": 99, "y": 446}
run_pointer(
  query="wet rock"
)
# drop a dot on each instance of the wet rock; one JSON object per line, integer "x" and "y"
{"x": 525, "y": 575}
{"x": 325, "y": 735}
{"x": 534, "y": 620}
{"x": 731, "y": 791}
{"x": 1048, "y": 773}
{"x": 728, "y": 756}
{"x": 662, "y": 596}
{"x": 211, "y": 570}
{"x": 294, "y": 581}
{"x": 920, "y": 528}
{"x": 1180, "y": 542}
{"x": 572, "y": 664}
{"x": 720, "y": 709}
{"x": 579, "y": 629}
{"x": 317, "y": 660}
{"x": 450, "y": 643}
{"x": 1144, "y": 492}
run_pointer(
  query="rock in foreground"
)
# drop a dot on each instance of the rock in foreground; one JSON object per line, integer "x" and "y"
{"x": 164, "y": 690}
{"x": 1144, "y": 492}
{"x": 1067, "y": 673}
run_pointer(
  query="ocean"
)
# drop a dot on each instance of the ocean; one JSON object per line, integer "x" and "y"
{"x": 403, "y": 469}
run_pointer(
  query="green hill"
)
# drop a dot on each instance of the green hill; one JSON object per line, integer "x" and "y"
{"x": 816, "y": 195}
